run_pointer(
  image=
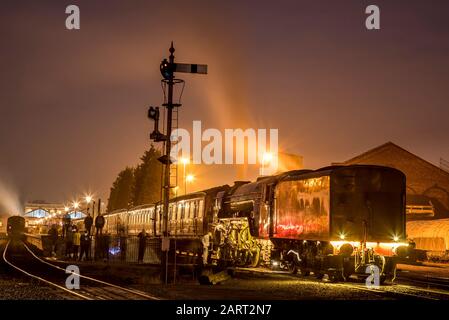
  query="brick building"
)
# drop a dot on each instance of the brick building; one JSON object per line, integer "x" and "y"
{"x": 427, "y": 184}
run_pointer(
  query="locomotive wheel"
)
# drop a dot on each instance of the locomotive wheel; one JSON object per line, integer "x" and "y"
{"x": 304, "y": 272}
{"x": 318, "y": 274}
{"x": 255, "y": 258}
{"x": 348, "y": 270}
{"x": 293, "y": 268}
{"x": 335, "y": 276}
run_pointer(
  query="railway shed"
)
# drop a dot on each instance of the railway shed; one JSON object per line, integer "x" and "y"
{"x": 430, "y": 235}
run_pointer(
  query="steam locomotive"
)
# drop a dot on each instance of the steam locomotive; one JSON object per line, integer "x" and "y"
{"x": 335, "y": 221}
{"x": 16, "y": 227}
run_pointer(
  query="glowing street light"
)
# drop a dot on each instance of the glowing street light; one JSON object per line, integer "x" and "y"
{"x": 185, "y": 162}
{"x": 88, "y": 198}
{"x": 267, "y": 157}
{"x": 189, "y": 178}
{"x": 75, "y": 205}
{"x": 66, "y": 209}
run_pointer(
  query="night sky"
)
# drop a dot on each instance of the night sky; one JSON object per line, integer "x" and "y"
{"x": 73, "y": 103}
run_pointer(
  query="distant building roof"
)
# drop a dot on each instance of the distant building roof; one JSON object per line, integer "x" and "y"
{"x": 390, "y": 145}
{"x": 427, "y": 184}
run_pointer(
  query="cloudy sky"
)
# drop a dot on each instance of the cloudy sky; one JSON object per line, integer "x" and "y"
{"x": 73, "y": 103}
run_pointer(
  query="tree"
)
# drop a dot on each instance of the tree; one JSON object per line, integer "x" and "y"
{"x": 120, "y": 196}
{"x": 148, "y": 174}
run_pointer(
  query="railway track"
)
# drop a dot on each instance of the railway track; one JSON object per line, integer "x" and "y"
{"x": 404, "y": 290}
{"x": 36, "y": 268}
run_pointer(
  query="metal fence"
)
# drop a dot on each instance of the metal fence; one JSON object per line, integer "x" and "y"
{"x": 110, "y": 249}
{"x": 125, "y": 249}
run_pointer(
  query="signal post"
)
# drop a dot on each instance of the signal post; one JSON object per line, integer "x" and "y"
{"x": 168, "y": 68}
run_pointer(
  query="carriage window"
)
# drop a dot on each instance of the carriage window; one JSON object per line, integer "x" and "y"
{"x": 175, "y": 212}
{"x": 192, "y": 208}
{"x": 201, "y": 209}
{"x": 179, "y": 215}
{"x": 183, "y": 210}
{"x": 195, "y": 209}
{"x": 188, "y": 210}
{"x": 170, "y": 213}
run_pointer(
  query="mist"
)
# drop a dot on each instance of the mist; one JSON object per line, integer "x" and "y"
{"x": 9, "y": 199}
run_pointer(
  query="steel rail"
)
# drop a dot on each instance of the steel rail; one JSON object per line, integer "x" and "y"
{"x": 41, "y": 279}
{"x": 144, "y": 295}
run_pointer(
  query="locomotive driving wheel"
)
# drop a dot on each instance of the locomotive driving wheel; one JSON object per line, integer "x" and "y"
{"x": 293, "y": 268}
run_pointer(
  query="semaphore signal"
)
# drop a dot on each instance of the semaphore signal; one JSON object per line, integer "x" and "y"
{"x": 168, "y": 69}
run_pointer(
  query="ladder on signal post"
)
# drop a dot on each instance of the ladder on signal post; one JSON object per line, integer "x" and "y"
{"x": 174, "y": 146}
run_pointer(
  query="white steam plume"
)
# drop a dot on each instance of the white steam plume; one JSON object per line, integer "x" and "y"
{"x": 9, "y": 200}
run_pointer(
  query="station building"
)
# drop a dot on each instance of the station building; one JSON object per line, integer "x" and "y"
{"x": 40, "y": 215}
{"x": 427, "y": 185}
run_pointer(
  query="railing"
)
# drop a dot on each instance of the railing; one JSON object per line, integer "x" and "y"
{"x": 125, "y": 249}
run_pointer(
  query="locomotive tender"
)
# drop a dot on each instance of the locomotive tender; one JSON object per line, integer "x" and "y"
{"x": 336, "y": 221}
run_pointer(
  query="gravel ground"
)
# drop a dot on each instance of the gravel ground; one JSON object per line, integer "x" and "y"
{"x": 278, "y": 287}
{"x": 18, "y": 289}
{"x": 243, "y": 286}
{"x": 14, "y": 287}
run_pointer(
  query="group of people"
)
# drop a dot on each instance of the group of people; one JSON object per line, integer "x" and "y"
{"x": 77, "y": 244}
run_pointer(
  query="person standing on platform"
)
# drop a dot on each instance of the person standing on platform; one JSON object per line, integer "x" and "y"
{"x": 99, "y": 224}
{"x": 142, "y": 245}
{"x": 106, "y": 241}
{"x": 122, "y": 243}
{"x": 68, "y": 241}
{"x": 88, "y": 222}
{"x": 76, "y": 243}
{"x": 65, "y": 224}
{"x": 206, "y": 244}
{"x": 53, "y": 234}
{"x": 85, "y": 243}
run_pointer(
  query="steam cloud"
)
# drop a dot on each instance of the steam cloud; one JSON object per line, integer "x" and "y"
{"x": 9, "y": 200}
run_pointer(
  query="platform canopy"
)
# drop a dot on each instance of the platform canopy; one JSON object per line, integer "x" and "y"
{"x": 37, "y": 213}
{"x": 77, "y": 215}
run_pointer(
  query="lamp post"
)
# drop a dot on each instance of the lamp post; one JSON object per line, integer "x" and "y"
{"x": 185, "y": 161}
{"x": 88, "y": 200}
